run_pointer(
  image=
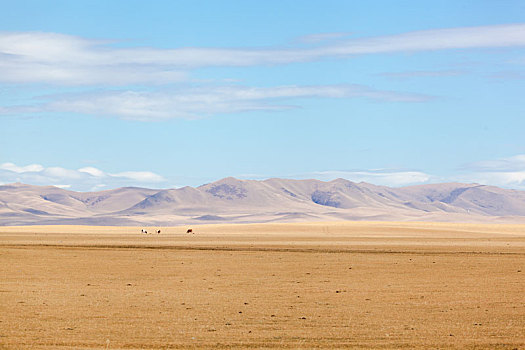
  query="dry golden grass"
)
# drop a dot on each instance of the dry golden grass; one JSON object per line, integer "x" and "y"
{"x": 330, "y": 285}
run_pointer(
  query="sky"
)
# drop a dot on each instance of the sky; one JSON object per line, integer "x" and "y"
{"x": 96, "y": 95}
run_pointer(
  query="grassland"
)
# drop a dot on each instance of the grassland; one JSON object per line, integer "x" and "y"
{"x": 316, "y": 285}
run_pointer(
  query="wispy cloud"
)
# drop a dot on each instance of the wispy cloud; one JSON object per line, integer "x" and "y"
{"x": 505, "y": 172}
{"x": 422, "y": 74}
{"x": 71, "y": 60}
{"x": 202, "y": 101}
{"x": 28, "y": 57}
{"x": 384, "y": 177}
{"x": 21, "y": 169}
{"x": 507, "y": 179}
{"x": 139, "y": 176}
{"x": 87, "y": 178}
{"x": 514, "y": 163}
{"x": 322, "y": 37}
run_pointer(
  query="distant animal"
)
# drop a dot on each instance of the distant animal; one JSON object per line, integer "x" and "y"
{"x": 144, "y": 231}
{"x": 189, "y": 231}
{"x": 158, "y": 231}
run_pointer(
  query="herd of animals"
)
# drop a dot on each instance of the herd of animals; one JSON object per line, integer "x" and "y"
{"x": 158, "y": 231}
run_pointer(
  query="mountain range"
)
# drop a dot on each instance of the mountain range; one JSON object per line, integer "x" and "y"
{"x": 232, "y": 200}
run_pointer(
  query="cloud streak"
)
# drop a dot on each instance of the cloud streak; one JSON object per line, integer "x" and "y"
{"x": 201, "y": 102}
{"x": 508, "y": 172}
{"x": 54, "y": 58}
{"x": 514, "y": 163}
{"x": 507, "y": 179}
{"x": 505, "y": 172}
{"x": 378, "y": 177}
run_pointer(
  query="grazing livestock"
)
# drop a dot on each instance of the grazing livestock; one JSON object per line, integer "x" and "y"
{"x": 189, "y": 231}
{"x": 144, "y": 231}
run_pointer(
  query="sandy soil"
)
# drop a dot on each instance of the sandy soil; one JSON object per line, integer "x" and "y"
{"x": 329, "y": 285}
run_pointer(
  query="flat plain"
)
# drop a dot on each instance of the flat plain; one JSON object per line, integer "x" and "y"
{"x": 383, "y": 285}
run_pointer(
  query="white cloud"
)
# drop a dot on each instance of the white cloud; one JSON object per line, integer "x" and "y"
{"x": 377, "y": 177}
{"x": 505, "y": 179}
{"x": 87, "y": 178}
{"x": 204, "y": 101}
{"x": 63, "y": 186}
{"x": 508, "y": 164}
{"x": 92, "y": 171}
{"x": 71, "y": 60}
{"x": 61, "y": 173}
{"x": 140, "y": 176}
{"x": 505, "y": 172}
{"x": 21, "y": 169}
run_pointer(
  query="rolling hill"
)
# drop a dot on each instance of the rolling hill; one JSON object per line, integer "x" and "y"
{"x": 232, "y": 200}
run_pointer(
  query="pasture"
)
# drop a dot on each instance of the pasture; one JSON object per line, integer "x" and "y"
{"x": 316, "y": 285}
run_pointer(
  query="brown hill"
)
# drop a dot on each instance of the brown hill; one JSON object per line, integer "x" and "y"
{"x": 273, "y": 200}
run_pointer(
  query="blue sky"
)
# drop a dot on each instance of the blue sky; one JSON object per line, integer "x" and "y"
{"x": 96, "y": 94}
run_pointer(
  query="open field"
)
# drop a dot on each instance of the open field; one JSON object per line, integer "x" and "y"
{"x": 330, "y": 285}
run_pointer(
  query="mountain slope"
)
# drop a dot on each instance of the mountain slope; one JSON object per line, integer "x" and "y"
{"x": 233, "y": 200}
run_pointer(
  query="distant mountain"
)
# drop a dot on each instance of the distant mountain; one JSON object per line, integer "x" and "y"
{"x": 274, "y": 200}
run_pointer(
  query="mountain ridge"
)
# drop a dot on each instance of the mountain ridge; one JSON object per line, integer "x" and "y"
{"x": 232, "y": 200}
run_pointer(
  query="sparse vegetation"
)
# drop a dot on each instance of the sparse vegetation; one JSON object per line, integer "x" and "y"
{"x": 366, "y": 285}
